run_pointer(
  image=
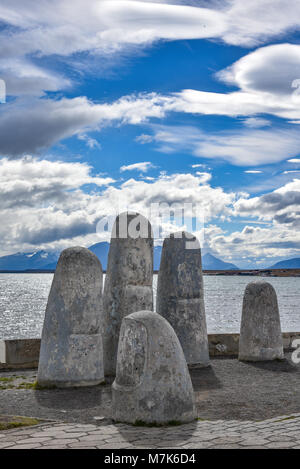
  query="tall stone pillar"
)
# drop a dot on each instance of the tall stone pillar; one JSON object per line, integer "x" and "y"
{"x": 180, "y": 295}
{"x": 71, "y": 352}
{"x": 128, "y": 282}
{"x": 260, "y": 336}
{"x": 152, "y": 382}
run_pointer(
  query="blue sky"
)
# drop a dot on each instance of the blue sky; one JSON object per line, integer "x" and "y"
{"x": 120, "y": 104}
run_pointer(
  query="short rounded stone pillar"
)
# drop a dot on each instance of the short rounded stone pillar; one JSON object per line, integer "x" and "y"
{"x": 71, "y": 352}
{"x": 152, "y": 382}
{"x": 180, "y": 295}
{"x": 128, "y": 282}
{"x": 260, "y": 336}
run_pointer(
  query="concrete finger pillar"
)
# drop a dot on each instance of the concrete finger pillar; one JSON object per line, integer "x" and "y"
{"x": 71, "y": 352}
{"x": 180, "y": 295}
{"x": 260, "y": 336}
{"x": 128, "y": 282}
{"x": 152, "y": 382}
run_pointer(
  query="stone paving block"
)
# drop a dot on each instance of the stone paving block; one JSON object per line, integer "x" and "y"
{"x": 200, "y": 445}
{"x": 254, "y": 442}
{"x": 27, "y": 446}
{"x": 250, "y": 435}
{"x": 102, "y": 434}
{"x": 254, "y": 447}
{"x": 14, "y": 438}
{"x": 18, "y": 432}
{"x": 280, "y": 445}
{"x": 81, "y": 446}
{"x": 168, "y": 447}
{"x": 93, "y": 439}
{"x": 60, "y": 441}
{"x": 225, "y": 447}
{"x": 207, "y": 437}
{"x": 41, "y": 439}
{"x": 71, "y": 436}
{"x": 6, "y": 445}
{"x": 280, "y": 438}
{"x": 33, "y": 440}
{"x": 135, "y": 447}
{"x": 227, "y": 440}
{"x": 90, "y": 428}
{"x": 293, "y": 434}
{"x": 56, "y": 446}
{"x": 154, "y": 438}
{"x": 112, "y": 446}
{"x": 146, "y": 441}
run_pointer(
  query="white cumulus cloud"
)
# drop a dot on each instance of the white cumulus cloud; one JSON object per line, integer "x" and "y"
{"x": 143, "y": 167}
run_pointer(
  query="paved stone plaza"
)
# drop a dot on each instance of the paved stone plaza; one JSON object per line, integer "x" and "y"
{"x": 281, "y": 432}
{"x": 228, "y": 390}
{"x": 240, "y": 405}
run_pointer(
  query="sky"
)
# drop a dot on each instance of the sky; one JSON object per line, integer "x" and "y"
{"x": 119, "y": 105}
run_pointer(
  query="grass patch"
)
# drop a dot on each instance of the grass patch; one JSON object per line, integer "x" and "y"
{"x": 7, "y": 380}
{"x": 16, "y": 382}
{"x": 39, "y": 387}
{"x": 287, "y": 418}
{"x": 291, "y": 417}
{"x": 26, "y": 385}
{"x": 8, "y": 423}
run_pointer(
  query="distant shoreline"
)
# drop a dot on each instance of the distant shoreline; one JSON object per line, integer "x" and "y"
{"x": 256, "y": 272}
{"x": 250, "y": 272}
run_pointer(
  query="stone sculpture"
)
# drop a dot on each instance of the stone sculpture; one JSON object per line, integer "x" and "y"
{"x": 180, "y": 295}
{"x": 71, "y": 352}
{"x": 128, "y": 283}
{"x": 152, "y": 382}
{"x": 260, "y": 336}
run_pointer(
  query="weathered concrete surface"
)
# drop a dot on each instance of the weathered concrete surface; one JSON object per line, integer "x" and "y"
{"x": 223, "y": 345}
{"x": 260, "y": 337}
{"x": 180, "y": 295}
{"x": 128, "y": 282}
{"x": 152, "y": 383}
{"x": 227, "y": 390}
{"x": 71, "y": 346}
{"x": 278, "y": 433}
{"x": 22, "y": 353}
{"x": 220, "y": 345}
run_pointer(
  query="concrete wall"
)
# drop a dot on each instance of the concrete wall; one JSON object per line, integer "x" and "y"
{"x": 24, "y": 353}
{"x": 228, "y": 344}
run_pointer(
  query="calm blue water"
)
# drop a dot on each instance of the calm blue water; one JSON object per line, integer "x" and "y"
{"x": 23, "y": 300}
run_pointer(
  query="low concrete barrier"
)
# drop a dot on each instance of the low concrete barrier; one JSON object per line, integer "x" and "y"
{"x": 228, "y": 344}
{"x": 24, "y": 353}
{"x": 19, "y": 353}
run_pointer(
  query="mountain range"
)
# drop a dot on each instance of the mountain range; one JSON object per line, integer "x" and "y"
{"x": 287, "y": 264}
{"x": 43, "y": 260}
{"x": 30, "y": 260}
